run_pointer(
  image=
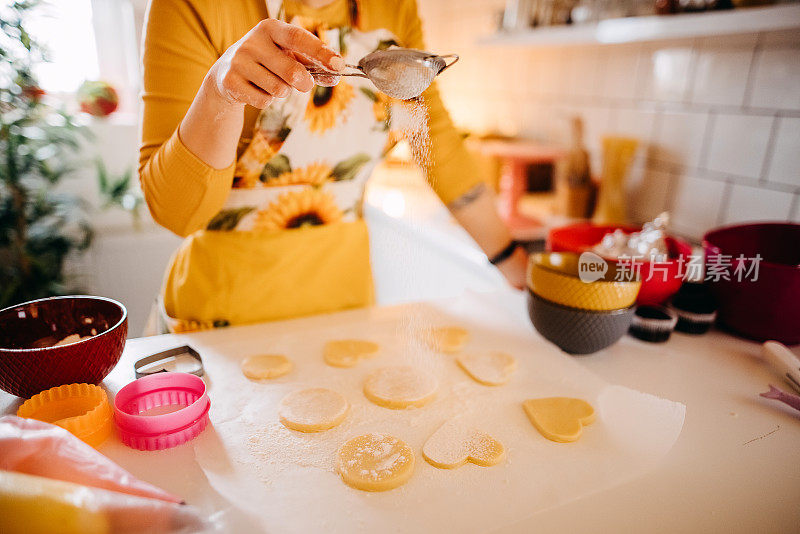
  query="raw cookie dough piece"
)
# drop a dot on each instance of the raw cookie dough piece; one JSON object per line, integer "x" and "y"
{"x": 488, "y": 368}
{"x": 265, "y": 366}
{"x": 399, "y": 387}
{"x": 313, "y": 410}
{"x": 454, "y": 444}
{"x": 559, "y": 418}
{"x": 447, "y": 339}
{"x": 375, "y": 462}
{"x": 348, "y": 352}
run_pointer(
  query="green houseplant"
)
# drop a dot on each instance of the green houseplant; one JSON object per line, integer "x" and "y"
{"x": 39, "y": 224}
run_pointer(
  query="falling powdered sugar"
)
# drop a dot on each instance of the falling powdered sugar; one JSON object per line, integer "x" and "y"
{"x": 410, "y": 118}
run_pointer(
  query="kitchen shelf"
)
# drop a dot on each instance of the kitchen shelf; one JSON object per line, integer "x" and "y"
{"x": 655, "y": 28}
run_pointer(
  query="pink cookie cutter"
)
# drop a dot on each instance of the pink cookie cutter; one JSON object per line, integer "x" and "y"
{"x": 158, "y": 432}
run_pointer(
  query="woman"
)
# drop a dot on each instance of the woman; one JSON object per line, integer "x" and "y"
{"x": 263, "y": 172}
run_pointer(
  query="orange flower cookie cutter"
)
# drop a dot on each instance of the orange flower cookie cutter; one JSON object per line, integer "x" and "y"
{"x": 82, "y": 409}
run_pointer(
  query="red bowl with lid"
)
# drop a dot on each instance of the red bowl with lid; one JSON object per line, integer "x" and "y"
{"x": 30, "y": 360}
{"x": 760, "y": 307}
{"x": 659, "y": 281}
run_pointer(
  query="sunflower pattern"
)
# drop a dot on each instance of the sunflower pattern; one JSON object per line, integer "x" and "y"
{"x": 315, "y": 174}
{"x": 272, "y": 129}
{"x": 309, "y": 156}
{"x": 327, "y": 105}
{"x": 298, "y": 209}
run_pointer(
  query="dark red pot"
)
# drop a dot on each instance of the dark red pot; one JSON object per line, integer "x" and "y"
{"x": 28, "y": 367}
{"x": 768, "y": 308}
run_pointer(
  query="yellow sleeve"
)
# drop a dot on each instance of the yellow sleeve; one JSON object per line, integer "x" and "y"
{"x": 451, "y": 168}
{"x": 182, "y": 192}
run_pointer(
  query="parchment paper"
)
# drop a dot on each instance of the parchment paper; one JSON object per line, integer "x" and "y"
{"x": 285, "y": 480}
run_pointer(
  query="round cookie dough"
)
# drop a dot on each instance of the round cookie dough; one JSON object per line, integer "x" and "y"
{"x": 447, "y": 339}
{"x": 263, "y": 366}
{"x": 399, "y": 387}
{"x": 488, "y": 368}
{"x": 453, "y": 445}
{"x": 313, "y": 410}
{"x": 348, "y": 352}
{"x": 375, "y": 462}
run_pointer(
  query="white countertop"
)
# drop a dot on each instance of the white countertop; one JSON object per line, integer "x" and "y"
{"x": 735, "y": 467}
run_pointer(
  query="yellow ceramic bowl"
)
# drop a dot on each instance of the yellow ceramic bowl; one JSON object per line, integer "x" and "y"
{"x": 554, "y": 276}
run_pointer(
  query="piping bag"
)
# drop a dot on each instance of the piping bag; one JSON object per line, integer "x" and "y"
{"x": 37, "y": 505}
{"x": 37, "y": 448}
{"x": 787, "y": 398}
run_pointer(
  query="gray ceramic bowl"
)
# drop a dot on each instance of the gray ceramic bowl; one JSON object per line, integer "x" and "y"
{"x": 578, "y": 331}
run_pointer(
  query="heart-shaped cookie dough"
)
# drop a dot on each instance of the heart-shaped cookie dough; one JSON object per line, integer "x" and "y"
{"x": 447, "y": 339}
{"x": 455, "y": 444}
{"x": 488, "y": 368}
{"x": 559, "y": 418}
{"x": 348, "y": 352}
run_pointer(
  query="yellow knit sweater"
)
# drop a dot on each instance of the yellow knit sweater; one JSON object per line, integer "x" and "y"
{"x": 183, "y": 39}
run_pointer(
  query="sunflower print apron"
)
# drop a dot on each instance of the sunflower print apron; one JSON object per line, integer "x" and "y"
{"x": 298, "y": 185}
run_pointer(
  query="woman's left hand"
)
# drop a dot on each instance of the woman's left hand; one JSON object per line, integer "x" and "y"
{"x": 515, "y": 267}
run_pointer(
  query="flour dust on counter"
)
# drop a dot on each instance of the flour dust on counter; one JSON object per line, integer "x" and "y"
{"x": 272, "y": 473}
{"x": 455, "y": 443}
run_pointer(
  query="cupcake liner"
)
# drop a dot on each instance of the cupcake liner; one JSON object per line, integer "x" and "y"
{"x": 653, "y": 329}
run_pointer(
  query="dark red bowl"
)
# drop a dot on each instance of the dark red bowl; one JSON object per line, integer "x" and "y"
{"x": 658, "y": 284}
{"x": 28, "y": 365}
{"x": 766, "y": 308}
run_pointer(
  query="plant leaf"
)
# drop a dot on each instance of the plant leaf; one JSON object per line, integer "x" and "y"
{"x": 276, "y": 166}
{"x": 370, "y": 93}
{"x": 227, "y": 220}
{"x": 347, "y": 169}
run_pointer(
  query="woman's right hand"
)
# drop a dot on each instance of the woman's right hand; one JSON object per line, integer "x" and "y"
{"x": 267, "y": 63}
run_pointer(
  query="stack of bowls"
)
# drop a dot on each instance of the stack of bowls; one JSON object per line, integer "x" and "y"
{"x": 579, "y": 316}
{"x": 660, "y": 281}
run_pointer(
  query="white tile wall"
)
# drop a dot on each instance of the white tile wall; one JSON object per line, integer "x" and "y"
{"x": 785, "y": 164}
{"x": 720, "y": 116}
{"x": 722, "y": 70}
{"x": 680, "y": 138}
{"x": 738, "y": 144}
{"x": 776, "y": 81}
{"x": 620, "y": 64}
{"x": 749, "y": 203}
{"x": 665, "y": 71}
{"x": 697, "y": 204}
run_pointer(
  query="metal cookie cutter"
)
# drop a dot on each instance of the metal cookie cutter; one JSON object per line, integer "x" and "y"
{"x": 167, "y": 355}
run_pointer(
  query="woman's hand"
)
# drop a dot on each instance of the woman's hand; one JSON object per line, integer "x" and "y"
{"x": 263, "y": 65}
{"x": 267, "y": 63}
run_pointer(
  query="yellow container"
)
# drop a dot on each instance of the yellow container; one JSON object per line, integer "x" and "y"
{"x": 82, "y": 409}
{"x": 554, "y": 276}
{"x": 36, "y": 504}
